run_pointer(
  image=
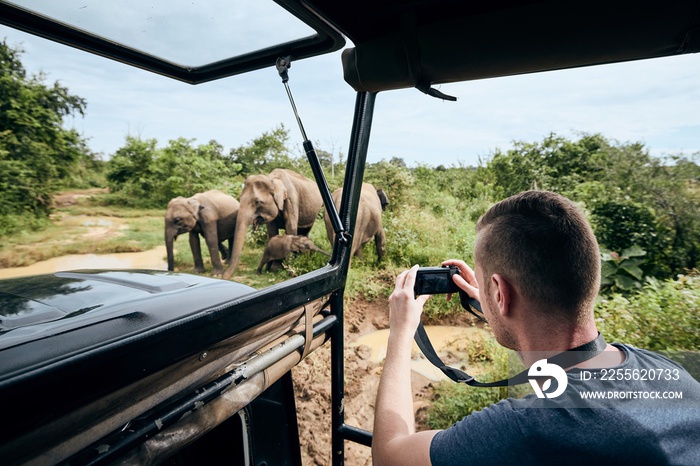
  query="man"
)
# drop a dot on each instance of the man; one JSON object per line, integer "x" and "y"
{"x": 537, "y": 273}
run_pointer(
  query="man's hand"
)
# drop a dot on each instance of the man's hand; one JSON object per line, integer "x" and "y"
{"x": 466, "y": 279}
{"x": 404, "y": 308}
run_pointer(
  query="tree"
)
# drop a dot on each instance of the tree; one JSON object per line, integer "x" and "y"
{"x": 143, "y": 175}
{"x": 37, "y": 154}
{"x": 264, "y": 153}
{"x": 131, "y": 168}
{"x": 555, "y": 164}
{"x": 394, "y": 179}
{"x": 635, "y": 199}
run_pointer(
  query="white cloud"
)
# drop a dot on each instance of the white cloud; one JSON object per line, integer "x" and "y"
{"x": 652, "y": 101}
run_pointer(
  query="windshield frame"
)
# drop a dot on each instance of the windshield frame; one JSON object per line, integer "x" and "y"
{"x": 326, "y": 40}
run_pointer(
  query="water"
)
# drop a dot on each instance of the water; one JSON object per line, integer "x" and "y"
{"x": 154, "y": 259}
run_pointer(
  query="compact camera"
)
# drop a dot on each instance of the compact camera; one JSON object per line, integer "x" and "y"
{"x": 436, "y": 280}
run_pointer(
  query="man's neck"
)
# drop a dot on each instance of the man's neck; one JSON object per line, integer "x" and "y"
{"x": 544, "y": 341}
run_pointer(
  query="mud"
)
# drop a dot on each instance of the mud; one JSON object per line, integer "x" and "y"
{"x": 365, "y": 346}
{"x": 153, "y": 259}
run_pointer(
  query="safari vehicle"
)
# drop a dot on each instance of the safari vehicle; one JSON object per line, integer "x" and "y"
{"x": 146, "y": 367}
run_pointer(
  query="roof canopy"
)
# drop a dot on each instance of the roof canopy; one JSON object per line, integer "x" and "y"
{"x": 397, "y": 44}
{"x": 417, "y": 44}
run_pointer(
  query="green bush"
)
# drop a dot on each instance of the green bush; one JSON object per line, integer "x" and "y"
{"x": 38, "y": 156}
{"x": 622, "y": 272}
{"x": 142, "y": 175}
{"x": 634, "y": 198}
{"x": 619, "y": 225}
{"x": 395, "y": 179}
{"x": 488, "y": 361}
{"x": 17, "y": 224}
{"x": 664, "y": 315}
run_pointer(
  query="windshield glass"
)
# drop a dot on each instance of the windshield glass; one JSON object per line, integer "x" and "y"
{"x": 184, "y": 32}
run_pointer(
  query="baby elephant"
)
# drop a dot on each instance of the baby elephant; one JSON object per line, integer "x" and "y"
{"x": 280, "y": 247}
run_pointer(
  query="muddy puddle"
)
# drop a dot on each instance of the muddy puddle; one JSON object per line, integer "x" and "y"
{"x": 445, "y": 339}
{"x": 153, "y": 259}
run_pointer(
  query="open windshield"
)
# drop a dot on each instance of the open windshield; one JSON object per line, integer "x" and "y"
{"x": 191, "y": 41}
{"x": 187, "y": 33}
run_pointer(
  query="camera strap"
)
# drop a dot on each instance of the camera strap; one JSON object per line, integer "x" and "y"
{"x": 564, "y": 359}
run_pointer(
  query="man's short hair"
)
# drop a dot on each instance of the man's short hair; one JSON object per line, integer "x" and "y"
{"x": 542, "y": 243}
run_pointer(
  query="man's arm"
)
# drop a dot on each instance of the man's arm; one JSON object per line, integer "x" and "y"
{"x": 395, "y": 441}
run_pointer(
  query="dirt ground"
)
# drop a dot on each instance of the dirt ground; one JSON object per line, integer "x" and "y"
{"x": 69, "y": 198}
{"x": 312, "y": 386}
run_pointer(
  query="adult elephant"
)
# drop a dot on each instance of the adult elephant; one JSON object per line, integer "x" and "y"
{"x": 368, "y": 225}
{"x": 213, "y": 215}
{"x": 282, "y": 199}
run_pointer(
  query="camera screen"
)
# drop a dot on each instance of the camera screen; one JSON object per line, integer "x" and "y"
{"x": 435, "y": 281}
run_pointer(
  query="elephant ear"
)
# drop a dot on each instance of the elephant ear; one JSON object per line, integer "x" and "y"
{"x": 300, "y": 244}
{"x": 383, "y": 199}
{"x": 194, "y": 207}
{"x": 294, "y": 245}
{"x": 279, "y": 193}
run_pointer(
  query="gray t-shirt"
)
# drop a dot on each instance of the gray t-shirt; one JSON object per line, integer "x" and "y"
{"x": 634, "y": 420}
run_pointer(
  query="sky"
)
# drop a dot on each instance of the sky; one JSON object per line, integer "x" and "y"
{"x": 656, "y": 102}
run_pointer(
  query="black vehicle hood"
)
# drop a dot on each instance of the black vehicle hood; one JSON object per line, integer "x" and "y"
{"x": 41, "y": 306}
{"x": 71, "y": 340}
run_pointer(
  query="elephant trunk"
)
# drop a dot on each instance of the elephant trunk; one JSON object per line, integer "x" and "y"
{"x": 170, "y": 237}
{"x": 317, "y": 249}
{"x": 242, "y": 223}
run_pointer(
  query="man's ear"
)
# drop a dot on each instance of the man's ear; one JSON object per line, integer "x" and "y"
{"x": 502, "y": 291}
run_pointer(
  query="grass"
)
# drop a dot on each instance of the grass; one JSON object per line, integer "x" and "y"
{"x": 82, "y": 229}
{"x": 246, "y": 272}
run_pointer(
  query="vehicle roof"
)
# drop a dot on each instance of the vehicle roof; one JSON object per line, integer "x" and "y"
{"x": 399, "y": 44}
{"x": 449, "y": 41}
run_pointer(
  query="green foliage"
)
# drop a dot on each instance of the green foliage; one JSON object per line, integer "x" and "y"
{"x": 264, "y": 153}
{"x": 622, "y": 272}
{"x": 556, "y": 164}
{"x": 37, "y": 154}
{"x": 620, "y": 225}
{"x": 371, "y": 283}
{"x": 634, "y": 198}
{"x": 662, "y": 315}
{"x": 132, "y": 164}
{"x": 140, "y": 174}
{"x": 394, "y": 178}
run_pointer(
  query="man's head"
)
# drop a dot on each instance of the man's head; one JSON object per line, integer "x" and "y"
{"x": 542, "y": 244}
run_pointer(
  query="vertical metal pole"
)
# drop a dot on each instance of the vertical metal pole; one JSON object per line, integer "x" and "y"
{"x": 282, "y": 65}
{"x": 337, "y": 382}
{"x": 357, "y": 155}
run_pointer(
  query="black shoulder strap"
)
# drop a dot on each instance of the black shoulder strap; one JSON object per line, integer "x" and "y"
{"x": 565, "y": 359}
